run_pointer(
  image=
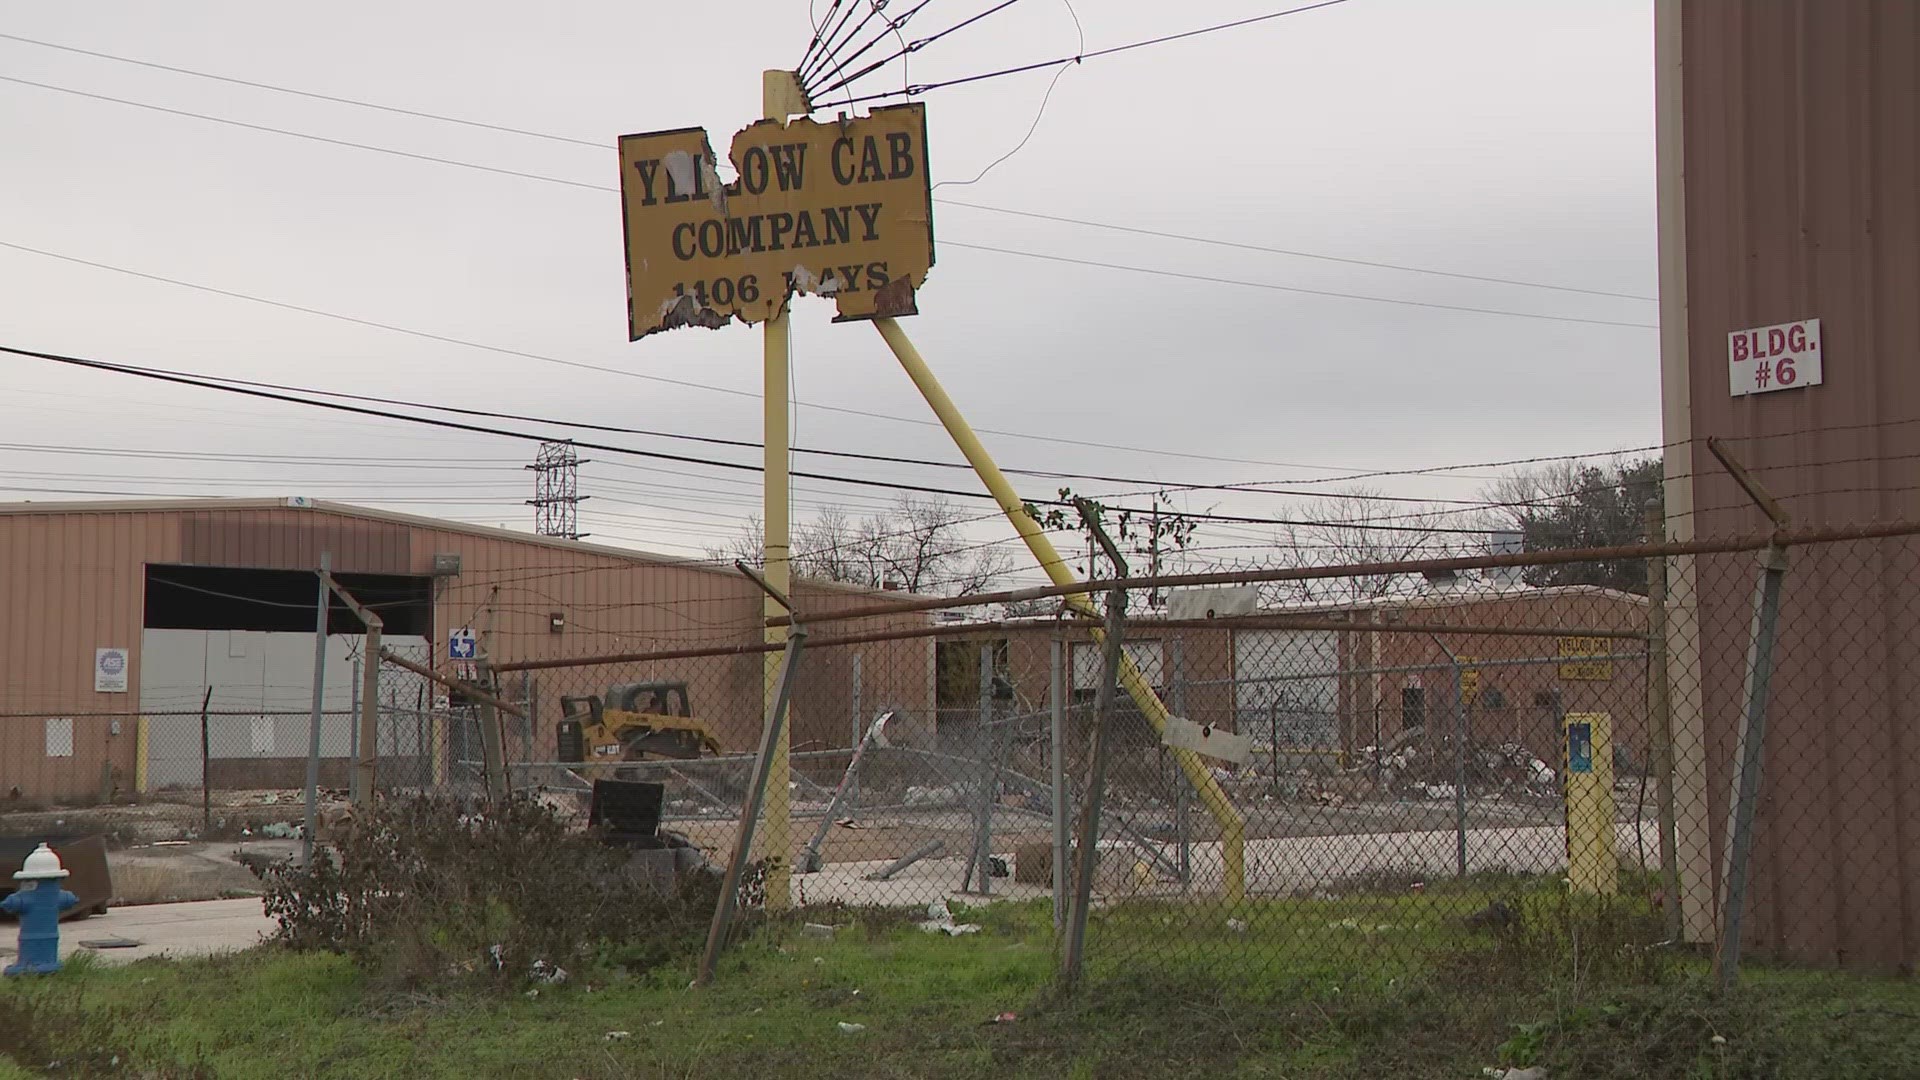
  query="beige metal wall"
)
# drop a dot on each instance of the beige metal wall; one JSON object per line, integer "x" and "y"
{"x": 72, "y": 579}
{"x": 1801, "y": 123}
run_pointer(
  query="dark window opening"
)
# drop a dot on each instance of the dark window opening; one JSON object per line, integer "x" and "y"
{"x": 1413, "y": 707}
{"x": 240, "y": 598}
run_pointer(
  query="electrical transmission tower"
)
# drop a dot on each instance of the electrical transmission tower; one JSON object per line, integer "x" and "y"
{"x": 556, "y": 491}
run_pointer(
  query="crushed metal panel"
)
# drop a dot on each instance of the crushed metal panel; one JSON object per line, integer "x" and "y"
{"x": 841, "y": 209}
{"x": 1206, "y": 739}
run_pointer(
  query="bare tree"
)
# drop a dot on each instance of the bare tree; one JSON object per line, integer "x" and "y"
{"x": 1354, "y": 527}
{"x": 918, "y": 546}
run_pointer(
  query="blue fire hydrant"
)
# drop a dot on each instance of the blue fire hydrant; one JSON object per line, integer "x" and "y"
{"x": 38, "y": 902}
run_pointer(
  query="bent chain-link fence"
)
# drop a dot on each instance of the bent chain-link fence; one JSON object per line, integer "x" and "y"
{"x": 1533, "y": 751}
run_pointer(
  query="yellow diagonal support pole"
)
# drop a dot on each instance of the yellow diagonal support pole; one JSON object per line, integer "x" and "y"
{"x": 1233, "y": 829}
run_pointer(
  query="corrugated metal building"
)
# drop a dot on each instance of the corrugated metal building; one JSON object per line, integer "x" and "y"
{"x": 1789, "y": 139}
{"x": 219, "y": 596}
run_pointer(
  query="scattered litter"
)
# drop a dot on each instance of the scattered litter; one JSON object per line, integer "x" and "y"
{"x": 551, "y": 974}
{"x": 819, "y": 959}
{"x": 1538, "y": 1072}
{"x": 498, "y": 954}
{"x": 1719, "y": 1040}
{"x": 940, "y": 921}
{"x": 1418, "y": 886}
{"x": 280, "y": 830}
{"x": 111, "y": 943}
{"x": 1436, "y": 790}
{"x": 616, "y": 1036}
{"x": 1238, "y": 926}
{"x": 534, "y": 993}
{"x": 851, "y": 1029}
{"x": 849, "y": 823}
{"x": 658, "y": 1023}
{"x": 1004, "y": 1018}
{"x": 816, "y": 930}
{"x": 169, "y": 843}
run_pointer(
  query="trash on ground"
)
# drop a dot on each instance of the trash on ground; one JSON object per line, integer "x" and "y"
{"x": 111, "y": 943}
{"x": 851, "y": 1029}
{"x": 1238, "y": 926}
{"x": 816, "y": 930}
{"x": 616, "y": 1036}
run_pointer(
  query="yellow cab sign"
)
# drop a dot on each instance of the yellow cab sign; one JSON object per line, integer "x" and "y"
{"x": 1574, "y": 669}
{"x": 841, "y": 209}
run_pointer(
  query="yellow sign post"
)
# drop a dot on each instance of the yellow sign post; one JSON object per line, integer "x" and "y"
{"x": 1592, "y": 864}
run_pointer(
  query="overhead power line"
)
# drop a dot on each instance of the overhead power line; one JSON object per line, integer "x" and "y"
{"x": 521, "y": 174}
{"x": 1299, "y": 289}
{"x": 106, "y": 366}
{"x": 922, "y": 88}
{"x": 1256, "y": 487}
{"x": 305, "y": 135}
{"x": 1293, "y": 252}
{"x": 278, "y": 89}
{"x": 526, "y": 355}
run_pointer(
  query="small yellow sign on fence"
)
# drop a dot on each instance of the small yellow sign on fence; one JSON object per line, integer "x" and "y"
{"x": 1577, "y": 670}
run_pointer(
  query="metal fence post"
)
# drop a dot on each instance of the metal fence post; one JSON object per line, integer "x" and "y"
{"x": 771, "y": 737}
{"x": 1747, "y": 763}
{"x": 319, "y": 689}
{"x": 979, "y": 863}
{"x": 353, "y": 729}
{"x": 1057, "y": 710}
{"x": 206, "y": 755}
{"x": 1182, "y": 823}
{"x": 1087, "y": 856}
{"x": 1660, "y": 715}
{"x": 1459, "y": 766}
{"x": 859, "y": 732}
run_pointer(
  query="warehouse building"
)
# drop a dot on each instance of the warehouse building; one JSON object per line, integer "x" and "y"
{"x": 122, "y": 622}
{"x": 1325, "y": 682}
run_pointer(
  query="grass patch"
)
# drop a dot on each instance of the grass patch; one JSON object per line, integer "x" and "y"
{"x": 1366, "y": 986}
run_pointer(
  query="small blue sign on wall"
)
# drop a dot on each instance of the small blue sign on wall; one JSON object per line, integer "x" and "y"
{"x": 1580, "y": 747}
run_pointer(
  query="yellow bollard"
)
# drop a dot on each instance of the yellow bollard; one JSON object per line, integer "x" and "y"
{"x": 1592, "y": 865}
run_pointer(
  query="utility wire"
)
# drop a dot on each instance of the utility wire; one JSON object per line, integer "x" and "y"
{"x": 357, "y": 102}
{"x": 907, "y": 49}
{"x": 819, "y": 25}
{"x": 525, "y": 355}
{"x": 837, "y": 41}
{"x": 305, "y": 135}
{"x": 101, "y": 365}
{"x": 952, "y": 202}
{"x": 1299, "y": 289}
{"x": 1251, "y": 487}
{"x": 913, "y": 91}
{"x": 1290, "y": 251}
{"x": 894, "y": 26}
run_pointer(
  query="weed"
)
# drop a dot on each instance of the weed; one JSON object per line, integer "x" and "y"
{"x": 427, "y": 889}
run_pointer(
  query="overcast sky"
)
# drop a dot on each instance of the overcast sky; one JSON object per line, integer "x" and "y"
{"x": 1503, "y": 138}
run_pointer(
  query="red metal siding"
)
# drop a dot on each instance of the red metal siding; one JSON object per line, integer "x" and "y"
{"x": 74, "y": 580}
{"x": 1802, "y": 124}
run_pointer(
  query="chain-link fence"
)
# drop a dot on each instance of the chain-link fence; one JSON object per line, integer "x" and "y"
{"x": 1479, "y": 751}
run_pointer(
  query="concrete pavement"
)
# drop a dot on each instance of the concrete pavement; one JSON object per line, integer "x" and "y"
{"x": 199, "y": 928}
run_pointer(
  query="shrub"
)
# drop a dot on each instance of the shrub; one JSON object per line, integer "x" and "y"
{"x": 430, "y": 888}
